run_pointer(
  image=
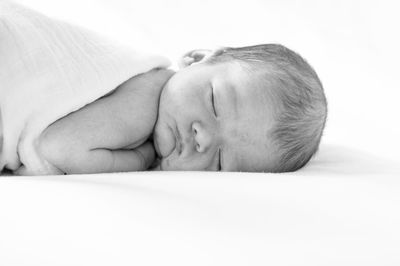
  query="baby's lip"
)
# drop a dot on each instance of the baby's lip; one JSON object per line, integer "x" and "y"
{"x": 178, "y": 140}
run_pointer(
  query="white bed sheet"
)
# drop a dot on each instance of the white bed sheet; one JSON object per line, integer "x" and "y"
{"x": 334, "y": 212}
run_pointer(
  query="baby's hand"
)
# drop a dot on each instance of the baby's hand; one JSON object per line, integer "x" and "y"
{"x": 146, "y": 155}
{"x": 137, "y": 159}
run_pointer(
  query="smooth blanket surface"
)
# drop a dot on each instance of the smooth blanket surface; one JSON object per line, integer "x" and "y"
{"x": 49, "y": 69}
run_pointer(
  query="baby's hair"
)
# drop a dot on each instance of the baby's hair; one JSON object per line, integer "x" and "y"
{"x": 301, "y": 106}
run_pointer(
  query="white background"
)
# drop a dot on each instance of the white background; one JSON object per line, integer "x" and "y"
{"x": 353, "y": 45}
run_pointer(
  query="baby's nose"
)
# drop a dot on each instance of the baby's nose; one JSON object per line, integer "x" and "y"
{"x": 202, "y": 136}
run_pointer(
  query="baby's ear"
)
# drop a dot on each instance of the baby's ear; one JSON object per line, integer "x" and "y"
{"x": 194, "y": 57}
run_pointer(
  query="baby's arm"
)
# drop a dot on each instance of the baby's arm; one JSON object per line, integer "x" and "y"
{"x": 110, "y": 134}
{"x": 106, "y": 161}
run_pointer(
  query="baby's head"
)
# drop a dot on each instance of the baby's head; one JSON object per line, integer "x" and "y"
{"x": 256, "y": 109}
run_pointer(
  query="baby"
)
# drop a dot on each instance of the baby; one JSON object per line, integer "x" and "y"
{"x": 256, "y": 109}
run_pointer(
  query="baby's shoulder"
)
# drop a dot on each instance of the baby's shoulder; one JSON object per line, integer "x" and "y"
{"x": 152, "y": 81}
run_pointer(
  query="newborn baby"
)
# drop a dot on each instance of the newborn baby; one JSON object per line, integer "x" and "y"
{"x": 256, "y": 109}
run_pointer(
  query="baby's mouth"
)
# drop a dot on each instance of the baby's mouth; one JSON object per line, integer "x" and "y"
{"x": 178, "y": 140}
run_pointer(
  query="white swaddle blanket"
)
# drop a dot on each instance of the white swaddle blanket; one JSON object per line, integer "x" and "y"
{"x": 48, "y": 69}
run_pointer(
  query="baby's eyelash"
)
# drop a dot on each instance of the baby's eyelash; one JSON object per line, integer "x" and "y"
{"x": 212, "y": 100}
{"x": 219, "y": 160}
{"x": 219, "y": 150}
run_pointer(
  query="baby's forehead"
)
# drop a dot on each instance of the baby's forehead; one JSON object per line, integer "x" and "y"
{"x": 252, "y": 86}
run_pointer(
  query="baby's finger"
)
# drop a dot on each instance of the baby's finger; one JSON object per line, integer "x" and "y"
{"x": 148, "y": 154}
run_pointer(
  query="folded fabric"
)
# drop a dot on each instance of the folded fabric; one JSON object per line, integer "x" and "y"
{"x": 48, "y": 69}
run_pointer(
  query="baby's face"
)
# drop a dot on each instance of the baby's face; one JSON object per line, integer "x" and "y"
{"x": 214, "y": 117}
